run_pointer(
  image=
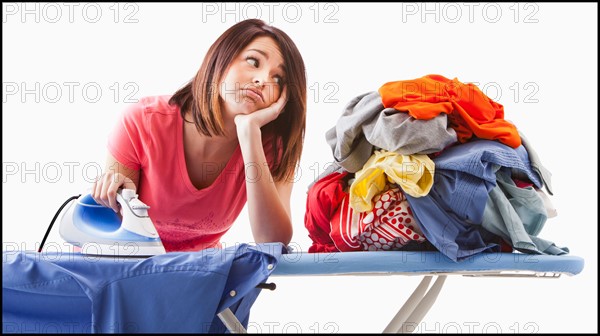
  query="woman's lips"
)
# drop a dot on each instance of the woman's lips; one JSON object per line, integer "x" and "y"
{"x": 255, "y": 95}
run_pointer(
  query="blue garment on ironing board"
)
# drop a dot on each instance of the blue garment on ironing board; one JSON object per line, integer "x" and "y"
{"x": 464, "y": 176}
{"x": 175, "y": 292}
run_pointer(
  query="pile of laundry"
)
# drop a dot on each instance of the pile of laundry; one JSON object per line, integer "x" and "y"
{"x": 429, "y": 164}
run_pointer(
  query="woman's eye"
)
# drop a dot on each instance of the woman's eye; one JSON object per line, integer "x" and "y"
{"x": 279, "y": 80}
{"x": 252, "y": 61}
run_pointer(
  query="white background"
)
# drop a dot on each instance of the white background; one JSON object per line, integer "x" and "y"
{"x": 538, "y": 60}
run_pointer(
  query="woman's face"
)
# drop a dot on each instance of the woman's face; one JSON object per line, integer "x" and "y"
{"x": 254, "y": 79}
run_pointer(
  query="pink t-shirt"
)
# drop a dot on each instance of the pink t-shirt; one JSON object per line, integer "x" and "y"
{"x": 149, "y": 136}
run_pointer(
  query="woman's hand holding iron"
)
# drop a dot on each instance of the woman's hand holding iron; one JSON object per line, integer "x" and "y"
{"x": 104, "y": 190}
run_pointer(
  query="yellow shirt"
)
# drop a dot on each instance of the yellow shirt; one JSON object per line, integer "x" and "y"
{"x": 413, "y": 173}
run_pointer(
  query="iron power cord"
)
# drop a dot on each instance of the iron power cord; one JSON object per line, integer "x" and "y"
{"x": 54, "y": 219}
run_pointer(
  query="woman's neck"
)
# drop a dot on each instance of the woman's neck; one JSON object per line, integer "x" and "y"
{"x": 209, "y": 144}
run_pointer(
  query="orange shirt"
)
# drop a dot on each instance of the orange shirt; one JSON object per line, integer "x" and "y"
{"x": 149, "y": 137}
{"x": 469, "y": 110}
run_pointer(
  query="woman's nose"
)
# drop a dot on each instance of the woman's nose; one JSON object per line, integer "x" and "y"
{"x": 260, "y": 78}
{"x": 257, "y": 81}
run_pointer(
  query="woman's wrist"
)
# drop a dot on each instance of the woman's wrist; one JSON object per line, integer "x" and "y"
{"x": 247, "y": 130}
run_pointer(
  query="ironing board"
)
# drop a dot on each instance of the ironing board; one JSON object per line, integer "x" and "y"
{"x": 429, "y": 265}
{"x": 51, "y": 292}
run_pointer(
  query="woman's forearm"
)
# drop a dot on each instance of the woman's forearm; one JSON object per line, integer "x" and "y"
{"x": 269, "y": 219}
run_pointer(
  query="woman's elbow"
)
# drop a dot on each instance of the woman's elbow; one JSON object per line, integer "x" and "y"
{"x": 282, "y": 234}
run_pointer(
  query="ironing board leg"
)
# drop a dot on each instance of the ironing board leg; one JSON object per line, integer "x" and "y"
{"x": 231, "y": 322}
{"x": 417, "y": 306}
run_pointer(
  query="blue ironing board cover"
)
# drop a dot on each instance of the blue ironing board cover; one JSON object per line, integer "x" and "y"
{"x": 422, "y": 262}
{"x": 175, "y": 292}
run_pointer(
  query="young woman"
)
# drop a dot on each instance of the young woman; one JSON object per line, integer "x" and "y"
{"x": 233, "y": 134}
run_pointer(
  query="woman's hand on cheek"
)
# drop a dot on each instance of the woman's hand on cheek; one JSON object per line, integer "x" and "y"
{"x": 259, "y": 118}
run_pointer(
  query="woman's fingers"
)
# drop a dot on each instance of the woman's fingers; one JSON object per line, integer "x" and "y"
{"x": 104, "y": 190}
{"x": 263, "y": 116}
{"x": 93, "y": 192}
{"x": 111, "y": 192}
{"x": 97, "y": 189}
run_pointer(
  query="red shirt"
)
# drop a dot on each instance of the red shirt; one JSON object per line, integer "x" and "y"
{"x": 149, "y": 136}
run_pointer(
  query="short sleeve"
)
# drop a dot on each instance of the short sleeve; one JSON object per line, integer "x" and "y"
{"x": 126, "y": 141}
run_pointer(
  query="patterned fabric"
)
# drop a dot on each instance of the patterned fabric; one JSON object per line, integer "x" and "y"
{"x": 389, "y": 226}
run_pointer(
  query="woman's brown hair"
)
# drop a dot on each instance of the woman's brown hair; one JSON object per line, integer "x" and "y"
{"x": 201, "y": 94}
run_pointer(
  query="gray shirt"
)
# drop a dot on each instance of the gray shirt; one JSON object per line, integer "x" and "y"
{"x": 366, "y": 124}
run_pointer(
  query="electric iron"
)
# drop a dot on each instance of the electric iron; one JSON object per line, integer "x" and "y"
{"x": 98, "y": 230}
